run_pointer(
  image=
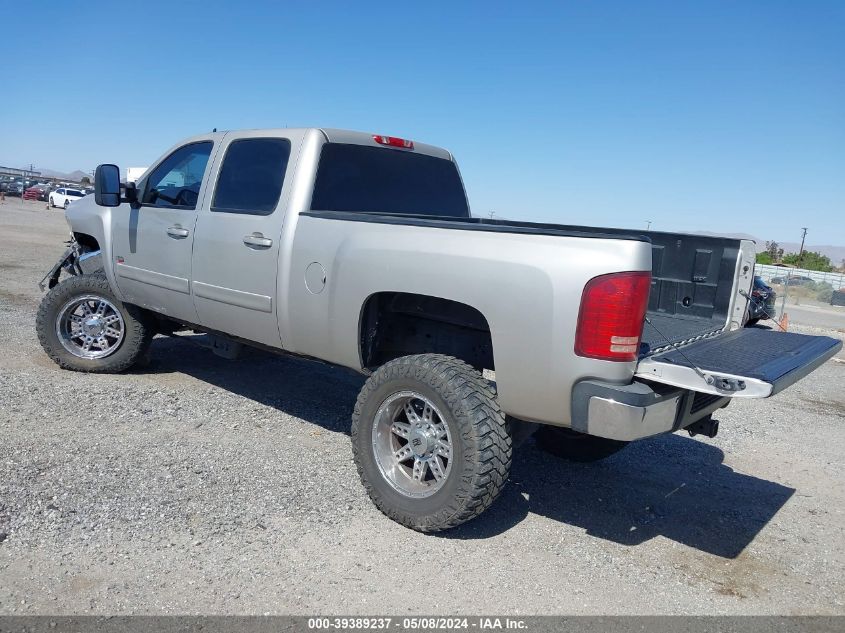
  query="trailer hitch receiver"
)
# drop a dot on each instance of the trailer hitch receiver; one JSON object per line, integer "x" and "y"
{"x": 705, "y": 426}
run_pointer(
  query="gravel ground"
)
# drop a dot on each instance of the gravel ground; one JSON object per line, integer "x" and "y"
{"x": 200, "y": 485}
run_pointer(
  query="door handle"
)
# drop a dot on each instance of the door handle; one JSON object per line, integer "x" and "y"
{"x": 256, "y": 240}
{"x": 177, "y": 232}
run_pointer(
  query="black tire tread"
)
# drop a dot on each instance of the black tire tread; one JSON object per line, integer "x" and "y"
{"x": 488, "y": 444}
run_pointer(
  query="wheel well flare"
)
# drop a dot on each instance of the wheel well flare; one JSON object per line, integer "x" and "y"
{"x": 396, "y": 324}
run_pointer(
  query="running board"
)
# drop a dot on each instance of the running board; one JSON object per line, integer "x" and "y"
{"x": 746, "y": 363}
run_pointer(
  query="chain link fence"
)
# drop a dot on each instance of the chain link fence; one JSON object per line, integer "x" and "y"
{"x": 809, "y": 286}
{"x": 796, "y": 275}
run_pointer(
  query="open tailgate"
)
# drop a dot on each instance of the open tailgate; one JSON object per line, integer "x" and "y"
{"x": 745, "y": 363}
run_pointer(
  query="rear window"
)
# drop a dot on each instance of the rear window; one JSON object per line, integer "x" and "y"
{"x": 376, "y": 180}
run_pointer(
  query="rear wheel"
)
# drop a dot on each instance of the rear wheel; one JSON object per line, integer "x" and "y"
{"x": 576, "y": 447}
{"x": 67, "y": 202}
{"x": 52, "y": 203}
{"x": 432, "y": 446}
{"x": 82, "y": 326}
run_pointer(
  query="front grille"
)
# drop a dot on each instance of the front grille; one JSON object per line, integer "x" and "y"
{"x": 702, "y": 401}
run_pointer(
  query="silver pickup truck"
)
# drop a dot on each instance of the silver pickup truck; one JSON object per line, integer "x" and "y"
{"x": 360, "y": 250}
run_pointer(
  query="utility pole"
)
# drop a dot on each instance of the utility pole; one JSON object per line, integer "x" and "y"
{"x": 647, "y": 225}
{"x": 492, "y": 213}
{"x": 801, "y": 250}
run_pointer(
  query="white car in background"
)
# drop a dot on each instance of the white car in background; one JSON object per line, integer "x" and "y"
{"x": 63, "y": 196}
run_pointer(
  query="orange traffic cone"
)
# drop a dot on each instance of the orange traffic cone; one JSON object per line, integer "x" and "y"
{"x": 784, "y": 322}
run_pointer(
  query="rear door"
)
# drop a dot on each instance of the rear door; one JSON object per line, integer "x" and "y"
{"x": 236, "y": 253}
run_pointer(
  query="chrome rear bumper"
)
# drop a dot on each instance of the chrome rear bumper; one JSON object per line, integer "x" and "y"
{"x": 632, "y": 412}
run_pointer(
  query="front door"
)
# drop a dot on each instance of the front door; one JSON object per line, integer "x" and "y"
{"x": 239, "y": 227}
{"x": 152, "y": 244}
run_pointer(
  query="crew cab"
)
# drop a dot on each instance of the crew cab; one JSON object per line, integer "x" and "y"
{"x": 360, "y": 250}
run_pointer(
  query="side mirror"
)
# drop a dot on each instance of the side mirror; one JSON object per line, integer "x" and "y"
{"x": 107, "y": 186}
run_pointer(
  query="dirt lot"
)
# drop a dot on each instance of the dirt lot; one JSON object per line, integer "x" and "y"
{"x": 199, "y": 485}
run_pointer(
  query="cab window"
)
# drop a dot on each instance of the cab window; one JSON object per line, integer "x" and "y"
{"x": 252, "y": 176}
{"x": 176, "y": 181}
{"x": 364, "y": 179}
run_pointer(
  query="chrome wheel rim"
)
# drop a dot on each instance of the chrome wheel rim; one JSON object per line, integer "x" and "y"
{"x": 412, "y": 444}
{"x": 90, "y": 327}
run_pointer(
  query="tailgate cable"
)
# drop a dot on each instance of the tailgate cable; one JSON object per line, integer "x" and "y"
{"x": 759, "y": 302}
{"x": 708, "y": 379}
{"x": 720, "y": 383}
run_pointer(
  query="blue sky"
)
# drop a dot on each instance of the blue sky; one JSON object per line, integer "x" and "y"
{"x": 722, "y": 116}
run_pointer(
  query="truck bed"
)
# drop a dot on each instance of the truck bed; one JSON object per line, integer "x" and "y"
{"x": 674, "y": 328}
{"x": 480, "y": 224}
{"x": 692, "y": 287}
{"x": 692, "y": 275}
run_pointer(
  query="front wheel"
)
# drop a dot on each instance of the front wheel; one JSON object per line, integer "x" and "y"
{"x": 432, "y": 447}
{"x": 82, "y": 326}
{"x": 52, "y": 203}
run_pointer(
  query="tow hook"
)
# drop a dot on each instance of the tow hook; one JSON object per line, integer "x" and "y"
{"x": 705, "y": 426}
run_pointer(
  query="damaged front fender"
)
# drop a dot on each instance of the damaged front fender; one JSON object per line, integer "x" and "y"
{"x": 69, "y": 261}
{"x": 74, "y": 262}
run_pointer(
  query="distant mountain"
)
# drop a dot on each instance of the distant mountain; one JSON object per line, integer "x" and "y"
{"x": 74, "y": 176}
{"x": 836, "y": 253}
{"x": 78, "y": 175}
{"x": 51, "y": 173}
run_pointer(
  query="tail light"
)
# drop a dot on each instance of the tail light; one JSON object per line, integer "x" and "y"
{"x": 393, "y": 141}
{"x": 610, "y": 322}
